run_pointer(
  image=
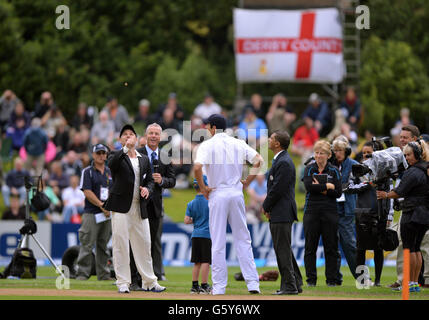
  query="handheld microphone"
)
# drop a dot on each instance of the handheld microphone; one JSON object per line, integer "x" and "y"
{"x": 155, "y": 165}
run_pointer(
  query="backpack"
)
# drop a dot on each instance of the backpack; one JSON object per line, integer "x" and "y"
{"x": 23, "y": 265}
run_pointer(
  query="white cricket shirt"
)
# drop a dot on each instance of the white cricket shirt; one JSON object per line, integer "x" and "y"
{"x": 222, "y": 158}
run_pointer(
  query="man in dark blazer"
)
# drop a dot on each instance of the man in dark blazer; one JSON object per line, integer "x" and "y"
{"x": 164, "y": 177}
{"x": 132, "y": 186}
{"x": 280, "y": 208}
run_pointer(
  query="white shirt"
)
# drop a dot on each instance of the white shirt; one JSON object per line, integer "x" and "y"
{"x": 206, "y": 110}
{"x": 222, "y": 158}
{"x": 74, "y": 197}
{"x": 136, "y": 169}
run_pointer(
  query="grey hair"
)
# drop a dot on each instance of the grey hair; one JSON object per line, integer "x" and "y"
{"x": 153, "y": 125}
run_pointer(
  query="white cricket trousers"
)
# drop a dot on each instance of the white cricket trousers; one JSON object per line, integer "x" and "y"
{"x": 131, "y": 228}
{"x": 227, "y": 205}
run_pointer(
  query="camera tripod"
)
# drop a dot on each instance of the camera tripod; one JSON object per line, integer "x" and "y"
{"x": 28, "y": 231}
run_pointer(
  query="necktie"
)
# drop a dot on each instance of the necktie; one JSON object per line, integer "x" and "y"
{"x": 152, "y": 157}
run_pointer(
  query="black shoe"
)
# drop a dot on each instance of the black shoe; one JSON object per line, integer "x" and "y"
{"x": 254, "y": 292}
{"x": 299, "y": 289}
{"x": 135, "y": 287}
{"x": 285, "y": 292}
{"x": 311, "y": 284}
{"x": 332, "y": 284}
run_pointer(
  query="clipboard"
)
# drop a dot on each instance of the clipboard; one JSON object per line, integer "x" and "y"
{"x": 321, "y": 178}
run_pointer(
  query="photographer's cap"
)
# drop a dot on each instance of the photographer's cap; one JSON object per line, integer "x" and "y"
{"x": 127, "y": 127}
{"x": 100, "y": 147}
{"x": 216, "y": 120}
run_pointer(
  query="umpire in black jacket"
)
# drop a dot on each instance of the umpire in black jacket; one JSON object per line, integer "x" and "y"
{"x": 164, "y": 177}
{"x": 280, "y": 208}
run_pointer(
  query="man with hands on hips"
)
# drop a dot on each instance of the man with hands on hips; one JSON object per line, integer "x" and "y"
{"x": 132, "y": 185}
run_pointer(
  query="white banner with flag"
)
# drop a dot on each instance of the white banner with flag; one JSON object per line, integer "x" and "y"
{"x": 289, "y": 45}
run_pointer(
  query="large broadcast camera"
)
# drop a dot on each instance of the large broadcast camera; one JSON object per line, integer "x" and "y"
{"x": 383, "y": 164}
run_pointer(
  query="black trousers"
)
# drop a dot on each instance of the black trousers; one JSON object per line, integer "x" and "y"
{"x": 321, "y": 223}
{"x": 291, "y": 278}
{"x": 155, "y": 225}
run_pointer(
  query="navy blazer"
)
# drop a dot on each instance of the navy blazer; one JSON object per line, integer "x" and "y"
{"x": 280, "y": 201}
{"x": 121, "y": 192}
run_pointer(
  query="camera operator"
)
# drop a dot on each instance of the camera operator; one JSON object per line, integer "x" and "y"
{"x": 408, "y": 134}
{"x": 321, "y": 215}
{"x": 345, "y": 205}
{"x": 369, "y": 223}
{"x": 414, "y": 188}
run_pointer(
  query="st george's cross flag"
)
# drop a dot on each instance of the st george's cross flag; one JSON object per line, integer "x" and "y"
{"x": 288, "y": 45}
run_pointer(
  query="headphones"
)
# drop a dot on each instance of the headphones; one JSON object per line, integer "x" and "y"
{"x": 418, "y": 151}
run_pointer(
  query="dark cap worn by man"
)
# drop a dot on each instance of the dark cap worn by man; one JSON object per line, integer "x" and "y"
{"x": 216, "y": 120}
{"x": 127, "y": 127}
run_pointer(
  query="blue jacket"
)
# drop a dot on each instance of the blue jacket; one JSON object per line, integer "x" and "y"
{"x": 350, "y": 203}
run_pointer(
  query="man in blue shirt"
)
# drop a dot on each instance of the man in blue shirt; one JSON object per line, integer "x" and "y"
{"x": 95, "y": 182}
{"x": 197, "y": 213}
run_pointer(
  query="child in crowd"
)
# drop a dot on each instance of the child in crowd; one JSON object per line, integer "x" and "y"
{"x": 197, "y": 213}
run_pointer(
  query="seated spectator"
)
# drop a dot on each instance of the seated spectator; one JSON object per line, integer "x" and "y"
{"x": 172, "y": 103}
{"x": 256, "y": 103}
{"x": 143, "y": 117}
{"x": 71, "y": 164}
{"x": 58, "y": 180}
{"x": 14, "y": 183}
{"x": 351, "y": 108}
{"x": 117, "y": 113}
{"x": 44, "y": 105}
{"x": 73, "y": 200}
{"x": 18, "y": 123}
{"x": 103, "y": 130}
{"x": 51, "y": 120}
{"x": 319, "y": 112}
{"x": 35, "y": 145}
{"x": 82, "y": 118}
{"x": 62, "y": 139}
{"x": 252, "y": 128}
{"x": 8, "y": 101}
{"x": 168, "y": 121}
{"x": 280, "y": 115}
{"x": 304, "y": 139}
{"x": 16, "y": 210}
{"x": 207, "y": 107}
{"x": 78, "y": 143}
{"x": 257, "y": 192}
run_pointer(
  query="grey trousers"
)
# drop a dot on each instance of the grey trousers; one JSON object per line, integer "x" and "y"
{"x": 291, "y": 278}
{"x": 92, "y": 234}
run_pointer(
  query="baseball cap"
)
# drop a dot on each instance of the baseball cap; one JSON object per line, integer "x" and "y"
{"x": 216, "y": 120}
{"x": 100, "y": 147}
{"x": 127, "y": 127}
{"x": 195, "y": 184}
